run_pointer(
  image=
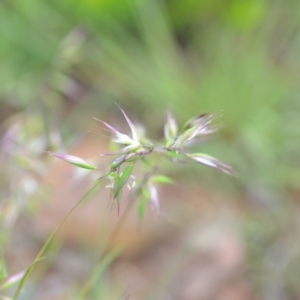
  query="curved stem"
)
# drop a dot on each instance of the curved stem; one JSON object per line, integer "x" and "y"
{"x": 51, "y": 237}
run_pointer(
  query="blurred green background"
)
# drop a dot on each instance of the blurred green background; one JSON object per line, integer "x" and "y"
{"x": 64, "y": 62}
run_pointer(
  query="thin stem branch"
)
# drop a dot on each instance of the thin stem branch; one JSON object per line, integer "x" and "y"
{"x": 112, "y": 237}
{"x": 110, "y": 241}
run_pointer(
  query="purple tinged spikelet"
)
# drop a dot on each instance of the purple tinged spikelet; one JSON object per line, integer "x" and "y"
{"x": 170, "y": 128}
{"x": 211, "y": 162}
{"x": 154, "y": 198}
{"x": 74, "y": 160}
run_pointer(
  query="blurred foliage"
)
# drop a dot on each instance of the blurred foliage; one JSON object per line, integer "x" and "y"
{"x": 62, "y": 61}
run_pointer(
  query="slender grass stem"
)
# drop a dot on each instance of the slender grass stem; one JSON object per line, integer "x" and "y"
{"x": 50, "y": 239}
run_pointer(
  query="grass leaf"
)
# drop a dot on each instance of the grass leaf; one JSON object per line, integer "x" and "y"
{"x": 142, "y": 205}
{"x": 3, "y": 271}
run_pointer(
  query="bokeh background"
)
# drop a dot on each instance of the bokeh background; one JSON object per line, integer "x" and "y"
{"x": 64, "y": 62}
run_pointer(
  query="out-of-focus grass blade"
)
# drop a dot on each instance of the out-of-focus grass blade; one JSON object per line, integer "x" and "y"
{"x": 162, "y": 179}
{"x": 98, "y": 272}
{"x": 3, "y": 272}
{"x": 142, "y": 205}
